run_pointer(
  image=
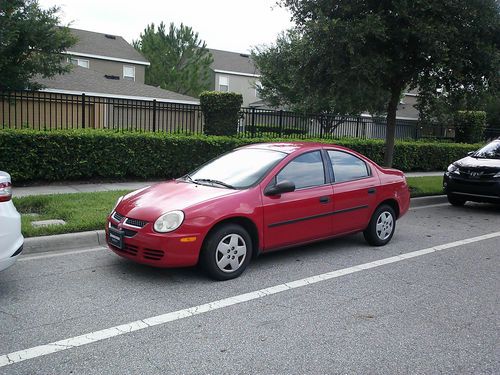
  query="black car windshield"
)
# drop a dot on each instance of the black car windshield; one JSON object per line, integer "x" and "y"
{"x": 490, "y": 151}
{"x": 239, "y": 169}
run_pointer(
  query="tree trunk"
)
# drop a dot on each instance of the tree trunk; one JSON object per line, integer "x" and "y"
{"x": 391, "y": 127}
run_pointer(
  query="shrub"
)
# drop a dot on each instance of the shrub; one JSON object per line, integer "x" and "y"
{"x": 469, "y": 126}
{"x": 276, "y": 130}
{"x": 221, "y": 112}
{"x": 30, "y": 155}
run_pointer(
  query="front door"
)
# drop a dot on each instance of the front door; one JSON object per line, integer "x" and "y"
{"x": 304, "y": 214}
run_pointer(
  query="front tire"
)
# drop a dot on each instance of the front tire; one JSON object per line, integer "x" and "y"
{"x": 226, "y": 252}
{"x": 381, "y": 227}
{"x": 455, "y": 201}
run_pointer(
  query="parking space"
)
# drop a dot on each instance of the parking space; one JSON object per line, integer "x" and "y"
{"x": 433, "y": 312}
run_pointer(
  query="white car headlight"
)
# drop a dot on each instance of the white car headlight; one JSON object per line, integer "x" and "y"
{"x": 116, "y": 204}
{"x": 169, "y": 222}
{"x": 452, "y": 168}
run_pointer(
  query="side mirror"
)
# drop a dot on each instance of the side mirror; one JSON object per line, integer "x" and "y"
{"x": 280, "y": 188}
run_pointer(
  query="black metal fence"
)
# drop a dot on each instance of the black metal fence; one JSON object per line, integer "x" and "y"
{"x": 48, "y": 111}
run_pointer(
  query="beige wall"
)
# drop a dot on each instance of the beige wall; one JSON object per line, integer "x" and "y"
{"x": 114, "y": 67}
{"x": 240, "y": 84}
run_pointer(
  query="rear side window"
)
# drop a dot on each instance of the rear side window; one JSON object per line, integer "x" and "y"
{"x": 347, "y": 167}
{"x": 304, "y": 171}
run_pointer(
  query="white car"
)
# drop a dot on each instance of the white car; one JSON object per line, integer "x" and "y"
{"x": 11, "y": 239}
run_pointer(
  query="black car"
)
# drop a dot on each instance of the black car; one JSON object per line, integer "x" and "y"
{"x": 475, "y": 177}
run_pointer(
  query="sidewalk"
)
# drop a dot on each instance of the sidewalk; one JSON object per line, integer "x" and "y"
{"x": 78, "y": 188}
{"x": 110, "y": 186}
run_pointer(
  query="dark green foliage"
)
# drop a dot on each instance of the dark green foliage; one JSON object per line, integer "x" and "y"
{"x": 221, "y": 112}
{"x": 180, "y": 61}
{"x": 357, "y": 54}
{"x": 31, "y": 43}
{"x": 469, "y": 126}
{"x": 30, "y": 155}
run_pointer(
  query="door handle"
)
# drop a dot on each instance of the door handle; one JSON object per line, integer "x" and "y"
{"x": 372, "y": 191}
{"x": 324, "y": 200}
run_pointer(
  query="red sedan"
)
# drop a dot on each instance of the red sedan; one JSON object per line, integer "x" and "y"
{"x": 256, "y": 199}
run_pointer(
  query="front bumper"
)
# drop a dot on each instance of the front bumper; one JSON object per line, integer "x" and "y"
{"x": 477, "y": 190}
{"x": 159, "y": 250}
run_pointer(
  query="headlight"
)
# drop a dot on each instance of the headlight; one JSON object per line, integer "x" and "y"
{"x": 116, "y": 204}
{"x": 169, "y": 221}
{"x": 452, "y": 168}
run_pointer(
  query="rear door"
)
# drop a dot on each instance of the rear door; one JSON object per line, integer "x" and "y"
{"x": 354, "y": 191}
{"x": 304, "y": 214}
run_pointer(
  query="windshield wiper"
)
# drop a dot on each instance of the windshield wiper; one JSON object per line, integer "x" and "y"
{"x": 214, "y": 182}
{"x": 187, "y": 178}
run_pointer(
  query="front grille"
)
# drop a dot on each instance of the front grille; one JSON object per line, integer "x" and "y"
{"x": 128, "y": 232}
{"x": 477, "y": 174}
{"x": 117, "y": 216}
{"x": 153, "y": 254}
{"x": 136, "y": 222}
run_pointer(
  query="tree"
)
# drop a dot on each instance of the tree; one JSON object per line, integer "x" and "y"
{"x": 31, "y": 43}
{"x": 180, "y": 61}
{"x": 362, "y": 52}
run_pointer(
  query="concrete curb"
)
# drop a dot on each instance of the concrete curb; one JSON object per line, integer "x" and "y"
{"x": 96, "y": 238}
{"x": 69, "y": 241}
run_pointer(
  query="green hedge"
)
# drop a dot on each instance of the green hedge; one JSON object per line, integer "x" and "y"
{"x": 30, "y": 155}
{"x": 221, "y": 111}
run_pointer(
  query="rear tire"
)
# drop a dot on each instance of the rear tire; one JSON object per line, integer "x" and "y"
{"x": 455, "y": 201}
{"x": 226, "y": 252}
{"x": 381, "y": 227}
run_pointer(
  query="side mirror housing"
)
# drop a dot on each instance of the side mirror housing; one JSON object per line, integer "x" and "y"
{"x": 280, "y": 188}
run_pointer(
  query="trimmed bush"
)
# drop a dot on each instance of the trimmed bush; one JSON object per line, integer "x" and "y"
{"x": 469, "y": 126}
{"x": 276, "y": 130}
{"x": 30, "y": 155}
{"x": 221, "y": 112}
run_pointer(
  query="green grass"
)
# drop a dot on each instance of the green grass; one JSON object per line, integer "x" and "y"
{"x": 88, "y": 211}
{"x": 81, "y": 211}
{"x": 423, "y": 186}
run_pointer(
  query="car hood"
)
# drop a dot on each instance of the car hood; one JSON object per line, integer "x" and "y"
{"x": 470, "y": 162}
{"x": 151, "y": 202}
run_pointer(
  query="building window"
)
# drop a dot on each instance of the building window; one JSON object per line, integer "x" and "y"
{"x": 129, "y": 72}
{"x": 80, "y": 62}
{"x": 223, "y": 83}
{"x": 258, "y": 86}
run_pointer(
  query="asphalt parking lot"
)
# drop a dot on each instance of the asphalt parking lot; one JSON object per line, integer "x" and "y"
{"x": 340, "y": 306}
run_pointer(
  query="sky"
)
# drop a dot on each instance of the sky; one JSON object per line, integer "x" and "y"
{"x": 231, "y": 25}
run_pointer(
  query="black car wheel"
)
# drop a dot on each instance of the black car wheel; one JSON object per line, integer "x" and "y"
{"x": 226, "y": 252}
{"x": 382, "y": 226}
{"x": 455, "y": 200}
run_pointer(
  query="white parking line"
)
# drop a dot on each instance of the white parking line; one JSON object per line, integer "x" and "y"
{"x": 53, "y": 254}
{"x": 91, "y": 337}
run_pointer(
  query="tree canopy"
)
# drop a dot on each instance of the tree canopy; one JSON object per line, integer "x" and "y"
{"x": 180, "y": 61}
{"x": 31, "y": 43}
{"x": 361, "y": 55}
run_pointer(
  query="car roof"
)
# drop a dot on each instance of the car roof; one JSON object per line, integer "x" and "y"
{"x": 289, "y": 147}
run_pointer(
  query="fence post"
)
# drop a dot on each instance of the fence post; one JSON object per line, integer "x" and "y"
{"x": 83, "y": 110}
{"x": 357, "y": 126}
{"x": 321, "y": 126}
{"x": 281, "y": 123}
{"x": 252, "y": 127}
{"x": 154, "y": 115}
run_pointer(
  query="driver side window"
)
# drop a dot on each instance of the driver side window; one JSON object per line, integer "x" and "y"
{"x": 304, "y": 171}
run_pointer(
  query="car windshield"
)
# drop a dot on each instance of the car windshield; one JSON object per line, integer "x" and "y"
{"x": 238, "y": 169}
{"x": 490, "y": 151}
